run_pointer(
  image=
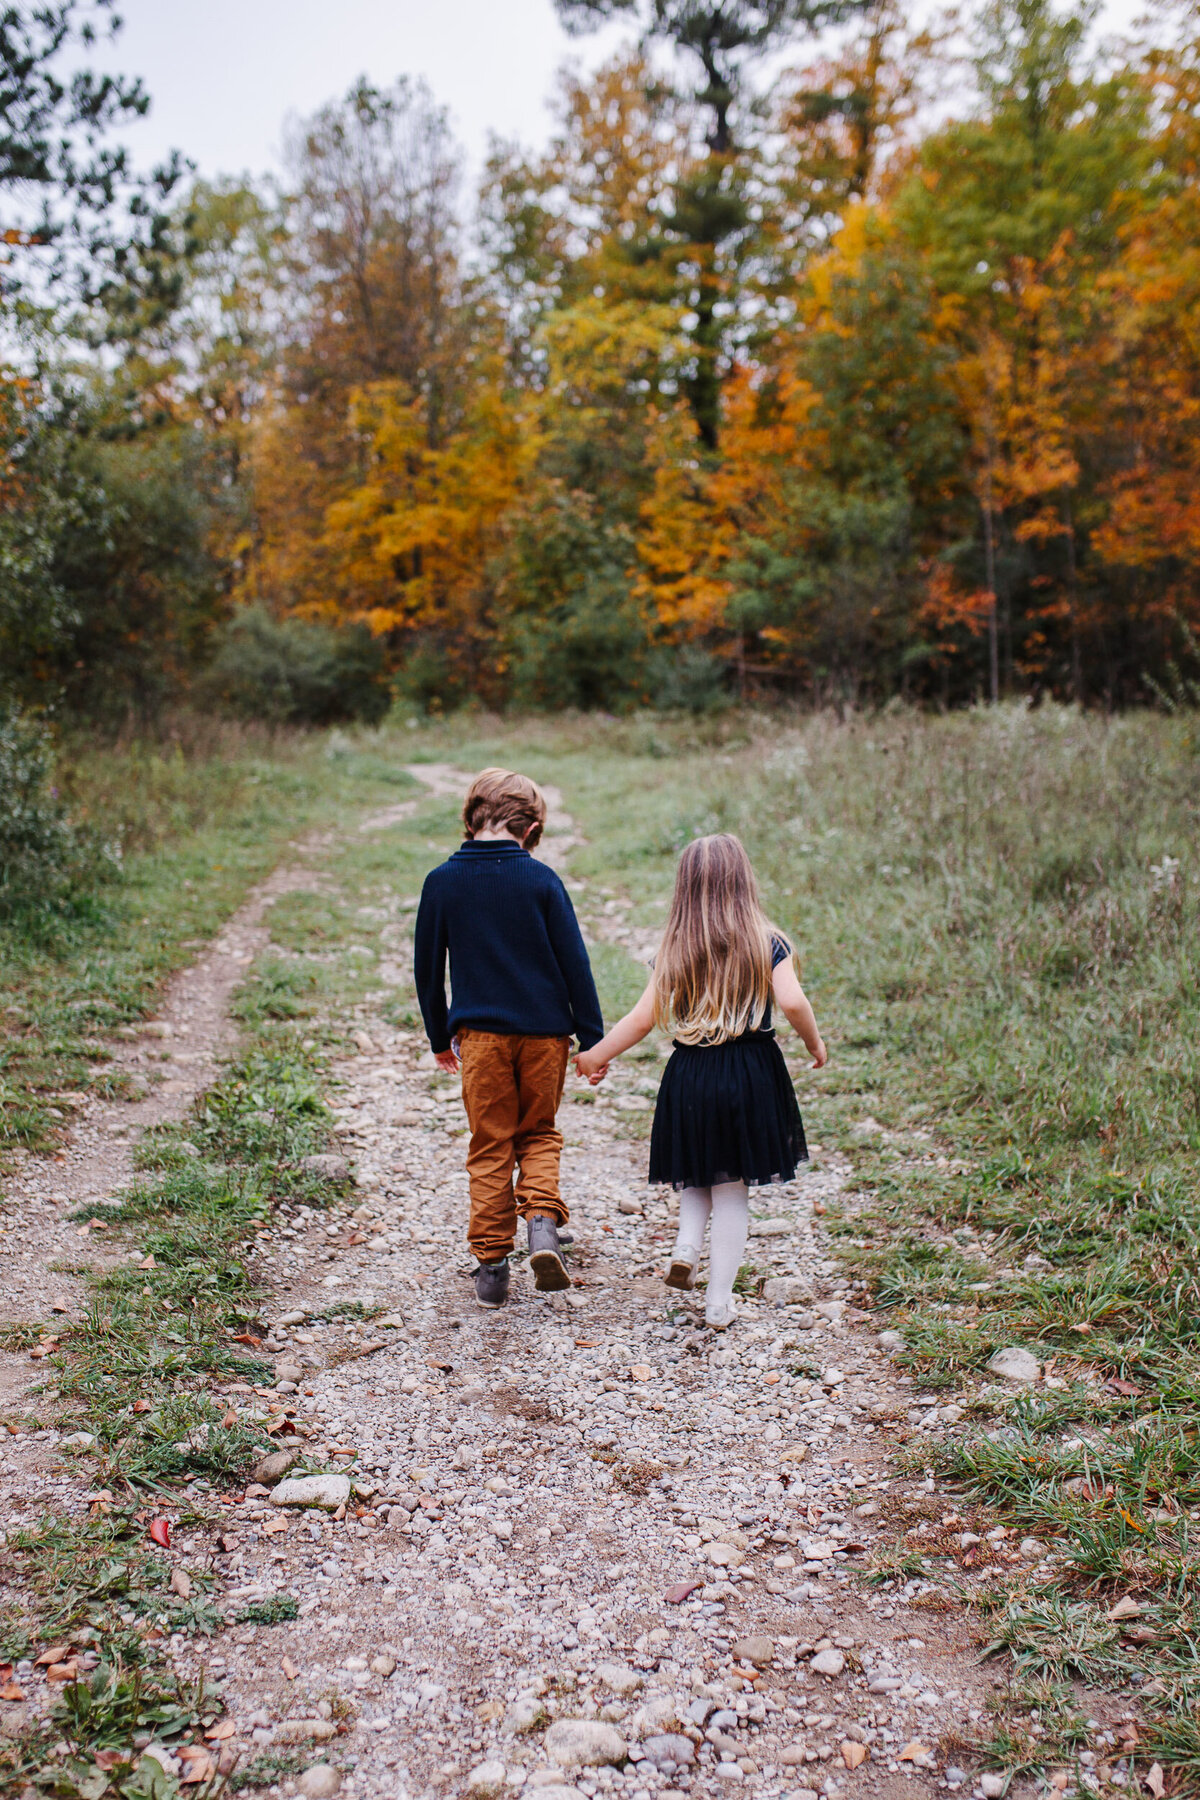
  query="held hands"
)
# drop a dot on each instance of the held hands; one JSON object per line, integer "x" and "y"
{"x": 587, "y": 1066}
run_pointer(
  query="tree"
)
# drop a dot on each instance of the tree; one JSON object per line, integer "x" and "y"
{"x": 60, "y": 184}
{"x": 712, "y": 213}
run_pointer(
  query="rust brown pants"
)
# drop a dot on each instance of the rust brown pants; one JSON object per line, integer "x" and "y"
{"x": 512, "y": 1087}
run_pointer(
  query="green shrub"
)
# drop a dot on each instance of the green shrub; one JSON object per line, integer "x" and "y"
{"x": 43, "y": 858}
{"x": 298, "y": 672}
{"x": 690, "y": 679}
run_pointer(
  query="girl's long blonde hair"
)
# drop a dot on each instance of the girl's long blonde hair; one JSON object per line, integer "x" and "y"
{"x": 712, "y": 975}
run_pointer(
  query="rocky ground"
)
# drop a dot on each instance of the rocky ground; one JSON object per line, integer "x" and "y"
{"x": 581, "y": 1546}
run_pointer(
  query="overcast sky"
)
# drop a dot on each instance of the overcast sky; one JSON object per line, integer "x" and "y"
{"x": 224, "y": 75}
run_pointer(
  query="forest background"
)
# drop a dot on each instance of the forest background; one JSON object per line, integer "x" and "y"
{"x": 879, "y": 378}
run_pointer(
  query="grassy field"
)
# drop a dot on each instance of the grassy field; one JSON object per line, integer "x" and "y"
{"x": 997, "y": 920}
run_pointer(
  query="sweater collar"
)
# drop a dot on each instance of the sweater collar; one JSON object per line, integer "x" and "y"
{"x": 498, "y": 846}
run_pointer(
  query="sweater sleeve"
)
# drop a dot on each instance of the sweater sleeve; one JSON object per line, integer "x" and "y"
{"x": 571, "y": 952}
{"x": 430, "y": 945}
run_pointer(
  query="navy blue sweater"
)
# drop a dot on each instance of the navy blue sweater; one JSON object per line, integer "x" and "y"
{"x": 517, "y": 959}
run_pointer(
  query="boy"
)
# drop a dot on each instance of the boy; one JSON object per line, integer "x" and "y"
{"x": 521, "y": 987}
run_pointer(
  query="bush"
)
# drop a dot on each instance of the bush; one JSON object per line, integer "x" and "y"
{"x": 42, "y": 856}
{"x": 689, "y": 679}
{"x": 298, "y": 672}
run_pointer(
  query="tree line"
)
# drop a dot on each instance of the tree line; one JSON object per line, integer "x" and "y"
{"x": 877, "y": 377}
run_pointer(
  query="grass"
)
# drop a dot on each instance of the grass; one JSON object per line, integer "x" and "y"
{"x": 997, "y": 916}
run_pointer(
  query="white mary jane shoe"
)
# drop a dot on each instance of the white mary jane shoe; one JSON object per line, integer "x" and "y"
{"x": 719, "y": 1318}
{"x": 682, "y": 1272}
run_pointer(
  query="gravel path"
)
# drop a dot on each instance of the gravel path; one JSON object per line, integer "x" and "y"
{"x": 582, "y": 1546}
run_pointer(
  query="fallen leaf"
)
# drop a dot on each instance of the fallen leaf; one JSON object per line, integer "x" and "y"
{"x": 356, "y": 1237}
{"x": 1059, "y": 1780}
{"x": 181, "y": 1584}
{"x": 63, "y": 1306}
{"x": 675, "y": 1596}
{"x": 1118, "y": 1385}
{"x": 147, "y": 1262}
{"x": 273, "y": 1525}
{"x": 853, "y": 1754}
{"x": 108, "y": 1759}
{"x": 218, "y": 1733}
{"x": 231, "y": 1418}
{"x": 63, "y": 1671}
{"x": 228, "y": 1541}
{"x": 141, "y": 1406}
{"x": 56, "y": 1654}
{"x": 198, "y": 1768}
{"x": 915, "y": 1752}
{"x": 1154, "y": 1780}
{"x": 160, "y": 1533}
{"x": 587, "y": 1343}
{"x": 1126, "y": 1608}
{"x": 289, "y": 1668}
{"x": 247, "y": 1337}
{"x": 10, "y": 1691}
{"x": 1130, "y": 1520}
{"x": 45, "y": 1349}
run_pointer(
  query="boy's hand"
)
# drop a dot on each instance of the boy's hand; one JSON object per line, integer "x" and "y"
{"x": 591, "y": 1071}
{"x": 446, "y": 1059}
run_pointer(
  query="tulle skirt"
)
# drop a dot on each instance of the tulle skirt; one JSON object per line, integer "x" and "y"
{"x": 726, "y": 1112}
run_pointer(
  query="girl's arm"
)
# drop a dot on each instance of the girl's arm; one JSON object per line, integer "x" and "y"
{"x": 624, "y": 1035}
{"x": 793, "y": 1002}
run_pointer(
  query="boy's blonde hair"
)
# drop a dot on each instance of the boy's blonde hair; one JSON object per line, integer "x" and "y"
{"x": 501, "y": 800}
{"x": 712, "y": 975}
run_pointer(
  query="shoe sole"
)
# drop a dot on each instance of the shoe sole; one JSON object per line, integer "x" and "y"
{"x": 681, "y": 1275}
{"x": 718, "y": 1324}
{"x": 549, "y": 1274}
{"x": 491, "y": 1305}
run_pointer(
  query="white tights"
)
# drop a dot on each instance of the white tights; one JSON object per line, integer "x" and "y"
{"x": 729, "y": 1204}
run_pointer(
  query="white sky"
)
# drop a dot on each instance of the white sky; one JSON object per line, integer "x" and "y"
{"x": 225, "y": 75}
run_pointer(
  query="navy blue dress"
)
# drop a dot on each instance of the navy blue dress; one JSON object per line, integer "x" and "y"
{"x": 728, "y": 1112}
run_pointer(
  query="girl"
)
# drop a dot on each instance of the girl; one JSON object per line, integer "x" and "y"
{"x": 727, "y": 1115}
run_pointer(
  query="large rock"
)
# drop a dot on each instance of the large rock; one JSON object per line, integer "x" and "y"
{"x": 1015, "y": 1364}
{"x": 787, "y": 1290}
{"x": 584, "y": 1744}
{"x": 328, "y": 1491}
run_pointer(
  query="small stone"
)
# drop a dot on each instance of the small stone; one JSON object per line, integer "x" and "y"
{"x": 320, "y": 1782}
{"x": 77, "y": 1440}
{"x": 786, "y": 1290}
{"x": 769, "y": 1228}
{"x": 288, "y": 1371}
{"x": 303, "y": 1731}
{"x": 297, "y": 1316}
{"x": 526, "y": 1714}
{"x": 384, "y": 1664}
{"x": 890, "y": 1340}
{"x": 631, "y": 1208}
{"x": 992, "y": 1785}
{"x": 273, "y": 1468}
{"x": 327, "y": 1164}
{"x": 619, "y": 1678}
{"x": 327, "y": 1491}
{"x": 1015, "y": 1364}
{"x": 584, "y": 1744}
{"x": 793, "y": 1756}
{"x": 756, "y": 1650}
{"x": 830, "y": 1310}
{"x": 486, "y": 1780}
{"x": 725, "y": 1556}
{"x": 828, "y": 1662}
{"x": 670, "y": 1747}
{"x": 1033, "y": 1548}
{"x": 390, "y": 1322}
